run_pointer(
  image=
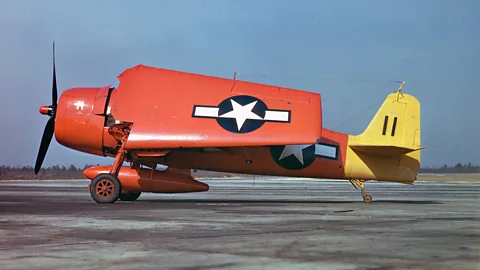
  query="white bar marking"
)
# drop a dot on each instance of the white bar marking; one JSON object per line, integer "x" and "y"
{"x": 281, "y": 116}
{"x": 325, "y": 151}
{"x": 206, "y": 111}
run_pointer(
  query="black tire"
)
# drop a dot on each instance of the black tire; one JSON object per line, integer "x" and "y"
{"x": 105, "y": 188}
{"x": 129, "y": 197}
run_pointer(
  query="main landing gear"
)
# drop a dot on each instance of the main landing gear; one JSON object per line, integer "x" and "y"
{"x": 361, "y": 184}
{"x": 129, "y": 197}
{"x": 105, "y": 187}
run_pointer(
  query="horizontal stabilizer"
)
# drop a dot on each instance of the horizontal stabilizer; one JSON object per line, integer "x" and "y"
{"x": 385, "y": 150}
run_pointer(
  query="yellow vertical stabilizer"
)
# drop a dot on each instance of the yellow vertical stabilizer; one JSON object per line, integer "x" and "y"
{"x": 389, "y": 148}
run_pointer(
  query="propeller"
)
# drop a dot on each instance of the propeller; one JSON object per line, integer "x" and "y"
{"x": 50, "y": 126}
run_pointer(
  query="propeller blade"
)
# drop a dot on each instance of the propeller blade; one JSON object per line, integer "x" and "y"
{"x": 46, "y": 139}
{"x": 54, "y": 83}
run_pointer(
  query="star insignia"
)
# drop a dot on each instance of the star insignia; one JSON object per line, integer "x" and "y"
{"x": 297, "y": 157}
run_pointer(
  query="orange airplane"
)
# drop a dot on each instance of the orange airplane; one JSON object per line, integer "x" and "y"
{"x": 190, "y": 122}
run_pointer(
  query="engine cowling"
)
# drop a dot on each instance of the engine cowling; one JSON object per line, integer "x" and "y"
{"x": 147, "y": 180}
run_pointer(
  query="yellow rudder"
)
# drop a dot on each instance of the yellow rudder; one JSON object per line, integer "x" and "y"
{"x": 389, "y": 148}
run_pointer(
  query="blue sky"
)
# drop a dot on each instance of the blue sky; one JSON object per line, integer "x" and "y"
{"x": 349, "y": 51}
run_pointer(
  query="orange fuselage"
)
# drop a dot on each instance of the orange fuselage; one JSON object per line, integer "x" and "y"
{"x": 179, "y": 120}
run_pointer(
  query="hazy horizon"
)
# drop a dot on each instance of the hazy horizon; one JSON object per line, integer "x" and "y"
{"x": 352, "y": 53}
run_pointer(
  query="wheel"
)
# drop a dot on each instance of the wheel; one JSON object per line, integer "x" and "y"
{"x": 367, "y": 198}
{"x": 105, "y": 188}
{"x": 129, "y": 197}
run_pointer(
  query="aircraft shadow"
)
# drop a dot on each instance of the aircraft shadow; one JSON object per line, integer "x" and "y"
{"x": 233, "y": 201}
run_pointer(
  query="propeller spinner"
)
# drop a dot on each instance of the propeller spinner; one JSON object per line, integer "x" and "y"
{"x": 50, "y": 126}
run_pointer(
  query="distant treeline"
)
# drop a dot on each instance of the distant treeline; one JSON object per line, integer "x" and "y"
{"x": 458, "y": 168}
{"x": 72, "y": 172}
{"x": 53, "y": 172}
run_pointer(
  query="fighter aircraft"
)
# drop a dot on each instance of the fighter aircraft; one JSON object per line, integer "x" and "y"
{"x": 187, "y": 121}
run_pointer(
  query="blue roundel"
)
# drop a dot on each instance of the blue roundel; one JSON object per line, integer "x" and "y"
{"x": 245, "y": 114}
{"x": 293, "y": 157}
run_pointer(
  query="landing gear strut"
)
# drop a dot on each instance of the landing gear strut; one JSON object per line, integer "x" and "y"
{"x": 361, "y": 184}
{"x": 105, "y": 187}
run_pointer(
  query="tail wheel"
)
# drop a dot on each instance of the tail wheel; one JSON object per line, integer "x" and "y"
{"x": 105, "y": 188}
{"x": 129, "y": 197}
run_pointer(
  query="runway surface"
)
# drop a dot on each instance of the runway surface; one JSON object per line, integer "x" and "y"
{"x": 242, "y": 224}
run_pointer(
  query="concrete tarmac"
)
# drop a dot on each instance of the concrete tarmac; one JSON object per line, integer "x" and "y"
{"x": 242, "y": 224}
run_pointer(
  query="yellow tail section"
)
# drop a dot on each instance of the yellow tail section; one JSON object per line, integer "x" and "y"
{"x": 389, "y": 148}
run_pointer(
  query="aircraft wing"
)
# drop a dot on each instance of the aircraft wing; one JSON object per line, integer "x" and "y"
{"x": 172, "y": 109}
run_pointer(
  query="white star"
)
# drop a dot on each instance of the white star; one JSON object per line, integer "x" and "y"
{"x": 241, "y": 113}
{"x": 79, "y": 105}
{"x": 296, "y": 150}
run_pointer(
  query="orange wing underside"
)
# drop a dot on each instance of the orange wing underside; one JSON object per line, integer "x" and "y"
{"x": 275, "y": 160}
{"x": 171, "y": 109}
